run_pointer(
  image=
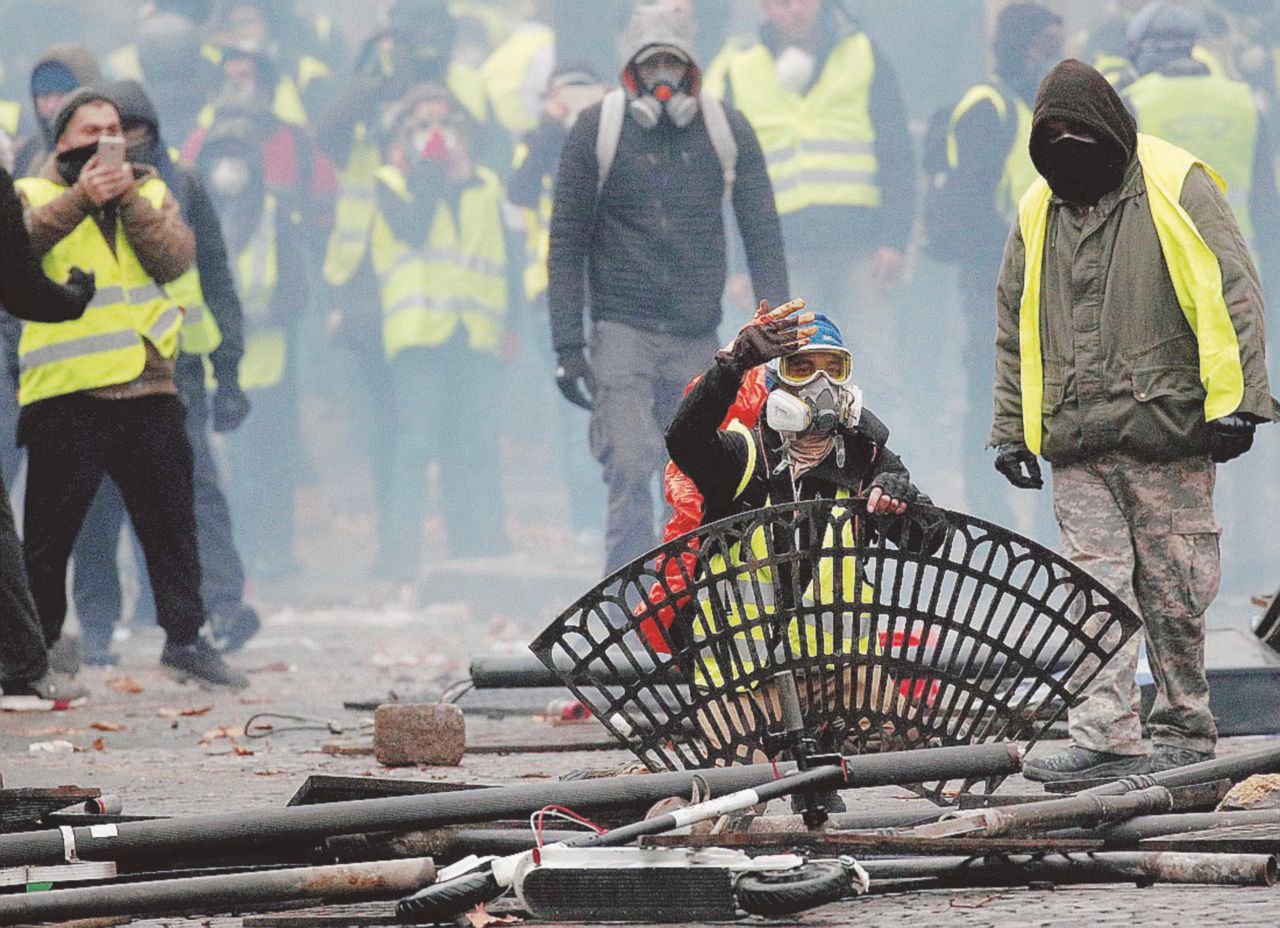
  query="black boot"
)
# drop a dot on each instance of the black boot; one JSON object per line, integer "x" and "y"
{"x": 1077, "y": 763}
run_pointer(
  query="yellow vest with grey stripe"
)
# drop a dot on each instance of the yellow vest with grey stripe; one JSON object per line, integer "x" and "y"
{"x": 257, "y": 275}
{"x": 820, "y": 145}
{"x": 357, "y": 183}
{"x": 1212, "y": 116}
{"x": 741, "y": 593}
{"x": 457, "y": 277}
{"x": 1019, "y": 171}
{"x": 1193, "y": 269}
{"x": 106, "y": 346}
{"x": 200, "y": 331}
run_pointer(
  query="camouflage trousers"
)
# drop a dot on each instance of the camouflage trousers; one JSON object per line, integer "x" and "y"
{"x": 1147, "y": 532}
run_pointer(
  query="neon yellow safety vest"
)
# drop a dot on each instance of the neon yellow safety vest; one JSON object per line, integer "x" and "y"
{"x": 458, "y": 276}
{"x": 537, "y": 222}
{"x": 106, "y": 346}
{"x": 506, "y": 74}
{"x": 256, "y": 272}
{"x": 10, "y": 114}
{"x": 200, "y": 331}
{"x": 739, "y": 592}
{"x": 1019, "y": 171}
{"x": 1193, "y": 268}
{"x": 357, "y": 185}
{"x": 1214, "y": 117}
{"x": 820, "y": 146}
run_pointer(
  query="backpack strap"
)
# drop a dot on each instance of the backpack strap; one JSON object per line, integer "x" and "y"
{"x": 717, "y": 122}
{"x": 613, "y": 110}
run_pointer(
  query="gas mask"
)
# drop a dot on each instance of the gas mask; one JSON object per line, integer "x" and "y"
{"x": 664, "y": 91}
{"x": 432, "y": 143}
{"x": 818, "y": 408}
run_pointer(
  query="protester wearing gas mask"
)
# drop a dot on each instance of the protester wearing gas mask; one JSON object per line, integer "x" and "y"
{"x": 98, "y": 394}
{"x": 1130, "y": 356}
{"x": 211, "y": 329}
{"x": 440, "y": 251}
{"x": 638, "y": 234}
{"x": 814, "y": 440}
{"x": 814, "y": 422}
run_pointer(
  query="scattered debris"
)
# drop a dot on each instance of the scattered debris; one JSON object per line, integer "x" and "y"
{"x": 481, "y": 918}
{"x": 108, "y": 726}
{"x": 419, "y": 734}
{"x": 1257, "y": 792}
{"x": 168, "y": 712}
{"x": 124, "y": 684}
{"x": 51, "y": 747}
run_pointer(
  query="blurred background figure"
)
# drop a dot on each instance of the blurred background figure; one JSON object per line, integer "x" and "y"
{"x": 830, "y": 117}
{"x": 440, "y": 252}
{"x": 978, "y": 168}
{"x": 265, "y": 247}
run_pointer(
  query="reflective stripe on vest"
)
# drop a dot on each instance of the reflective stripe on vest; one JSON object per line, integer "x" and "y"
{"x": 1193, "y": 269}
{"x": 1019, "y": 171}
{"x": 1211, "y": 116}
{"x": 256, "y": 272}
{"x": 200, "y": 331}
{"x": 105, "y": 346}
{"x": 820, "y": 146}
{"x": 743, "y": 594}
{"x": 457, "y": 277}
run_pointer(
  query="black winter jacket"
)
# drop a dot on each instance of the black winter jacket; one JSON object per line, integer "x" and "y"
{"x": 650, "y": 250}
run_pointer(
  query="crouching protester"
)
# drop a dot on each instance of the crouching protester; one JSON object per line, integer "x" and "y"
{"x": 813, "y": 441}
{"x": 1130, "y": 356}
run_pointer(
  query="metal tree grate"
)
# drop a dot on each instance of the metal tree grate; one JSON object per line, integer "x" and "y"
{"x": 933, "y": 628}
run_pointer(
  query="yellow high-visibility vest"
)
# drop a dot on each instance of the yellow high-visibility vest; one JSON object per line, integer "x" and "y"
{"x": 107, "y": 345}
{"x": 10, "y": 115}
{"x": 1212, "y": 116}
{"x": 457, "y": 277}
{"x": 257, "y": 275}
{"x": 537, "y": 223}
{"x": 1193, "y": 268}
{"x": 820, "y": 146}
{"x": 1019, "y": 171}
{"x": 357, "y": 195}
{"x": 743, "y": 594}
{"x": 200, "y": 331}
{"x": 506, "y": 75}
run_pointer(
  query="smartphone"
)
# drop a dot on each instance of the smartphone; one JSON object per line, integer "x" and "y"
{"x": 111, "y": 151}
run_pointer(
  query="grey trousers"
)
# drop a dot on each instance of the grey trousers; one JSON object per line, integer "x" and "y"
{"x": 640, "y": 378}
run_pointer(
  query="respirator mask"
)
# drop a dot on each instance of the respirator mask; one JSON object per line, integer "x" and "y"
{"x": 819, "y": 408}
{"x": 663, "y": 90}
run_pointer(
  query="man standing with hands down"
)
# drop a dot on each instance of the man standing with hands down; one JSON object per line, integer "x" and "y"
{"x": 98, "y": 394}
{"x": 638, "y": 225}
{"x": 1130, "y": 356}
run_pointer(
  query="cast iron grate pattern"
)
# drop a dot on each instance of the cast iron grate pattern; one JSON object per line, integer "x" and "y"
{"x": 933, "y": 628}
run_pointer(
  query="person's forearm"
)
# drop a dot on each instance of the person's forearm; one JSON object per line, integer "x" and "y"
{"x": 693, "y": 438}
{"x": 164, "y": 244}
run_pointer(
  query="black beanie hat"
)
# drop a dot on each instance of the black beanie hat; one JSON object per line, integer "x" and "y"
{"x": 82, "y": 97}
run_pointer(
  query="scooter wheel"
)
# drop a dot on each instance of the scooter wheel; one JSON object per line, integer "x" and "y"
{"x": 444, "y": 902}
{"x": 774, "y": 893}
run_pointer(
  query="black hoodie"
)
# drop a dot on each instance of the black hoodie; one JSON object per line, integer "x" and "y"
{"x": 1077, "y": 96}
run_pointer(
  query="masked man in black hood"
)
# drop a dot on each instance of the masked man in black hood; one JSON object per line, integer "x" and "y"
{"x": 1130, "y": 356}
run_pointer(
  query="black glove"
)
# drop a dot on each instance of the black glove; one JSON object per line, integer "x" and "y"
{"x": 230, "y": 406}
{"x": 1230, "y": 437}
{"x": 1010, "y": 460}
{"x": 897, "y": 486}
{"x": 772, "y": 333}
{"x": 80, "y": 288}
{"x": 573, "y": 376}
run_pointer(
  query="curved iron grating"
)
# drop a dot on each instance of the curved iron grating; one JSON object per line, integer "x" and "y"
{"x": 933, "y": 628}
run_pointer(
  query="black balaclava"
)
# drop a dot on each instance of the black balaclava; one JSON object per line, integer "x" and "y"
{"x": 1078, "y": 96}
{"x": 1017, "y": 28}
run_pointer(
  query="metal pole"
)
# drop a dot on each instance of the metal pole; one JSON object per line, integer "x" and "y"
{"x": 1235, "y": 768}
{"x": 259, "y": 829}
{"x": 1104, "y": 867}
{"x": 1157, "y": 826}
{"x": 213, "y": 895}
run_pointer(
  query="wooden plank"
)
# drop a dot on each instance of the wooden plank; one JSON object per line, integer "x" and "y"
{"x": 1233, "y": 839}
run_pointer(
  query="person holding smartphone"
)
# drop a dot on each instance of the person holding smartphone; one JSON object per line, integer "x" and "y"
{"x": 98, "y": 395}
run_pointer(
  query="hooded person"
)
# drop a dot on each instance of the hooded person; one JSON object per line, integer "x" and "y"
{"x": 1162, "y": 33}
{"x": 212, "y": 327}
{"x": 63, "y": 69}
{"x": 645, "y": 249}
{"x": 1130, "y": 356}
{"x": 173, "y": 65}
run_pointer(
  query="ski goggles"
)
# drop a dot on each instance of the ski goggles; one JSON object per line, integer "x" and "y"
{"x": 803, "y": 367}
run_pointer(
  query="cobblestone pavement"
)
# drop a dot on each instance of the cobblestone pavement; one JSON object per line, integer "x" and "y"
{"x": 170, "y": 750}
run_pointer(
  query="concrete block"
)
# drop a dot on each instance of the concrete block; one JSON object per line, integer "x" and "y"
{"x": 1258, "y": 792}
{"x": 405, "y": 733}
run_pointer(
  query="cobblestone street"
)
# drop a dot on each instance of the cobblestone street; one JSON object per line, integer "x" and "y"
{"x": 167, "y": 749}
